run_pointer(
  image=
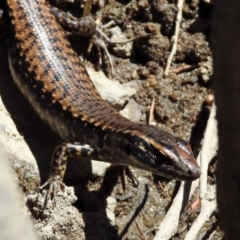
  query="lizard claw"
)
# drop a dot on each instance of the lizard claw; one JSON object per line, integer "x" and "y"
{"x": 55, "y": 185}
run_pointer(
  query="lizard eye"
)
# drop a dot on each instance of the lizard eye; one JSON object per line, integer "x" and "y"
{"x": 128, "y": 149}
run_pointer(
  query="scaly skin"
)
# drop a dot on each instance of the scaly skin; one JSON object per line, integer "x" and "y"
{"x": 55, "y": 82}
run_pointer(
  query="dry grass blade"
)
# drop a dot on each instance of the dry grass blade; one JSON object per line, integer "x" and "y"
{"x": 151, "y": 112}
{"x": 175, "y": 37}
{"x": 142, "y": 237}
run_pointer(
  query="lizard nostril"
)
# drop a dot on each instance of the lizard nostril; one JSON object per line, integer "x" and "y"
{"x": 194, "y": 173}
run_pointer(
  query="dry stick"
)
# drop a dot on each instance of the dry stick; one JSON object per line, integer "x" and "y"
{"x": 195, "y": 204}
{"x": 151, "y": 111}
{"x": 207, "y": 192}
{"x": 175, "y": 37}
{"x": 142, "y": 237}
{"x": 169, "y": 225}
{"x": 182, "y": 69}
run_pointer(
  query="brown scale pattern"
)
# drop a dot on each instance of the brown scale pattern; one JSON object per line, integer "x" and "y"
{"x": 57, "y": 85}
{"x": 84, "y": 26}
{"x": 68, "y": 86}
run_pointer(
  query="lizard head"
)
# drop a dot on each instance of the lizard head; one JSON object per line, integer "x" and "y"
{"x": 161, "y": 153}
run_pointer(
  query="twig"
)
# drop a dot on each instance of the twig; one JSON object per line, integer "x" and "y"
{"x": 169, "y": 225}
{"x": 196, "y": 203}
{"x": 182, "y": 69}
{"x": 207, "y": 192}
{"x": 175, "y": 37}
{"x": 151, "y": 111}
{"x": 142, "y": 237}
{"x": 160, "y": 186}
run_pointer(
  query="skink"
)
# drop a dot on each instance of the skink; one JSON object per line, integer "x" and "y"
{"x": 54, "y": 81}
